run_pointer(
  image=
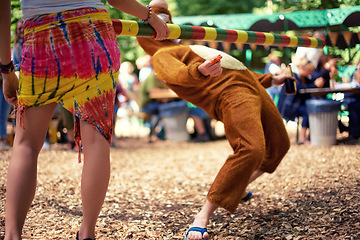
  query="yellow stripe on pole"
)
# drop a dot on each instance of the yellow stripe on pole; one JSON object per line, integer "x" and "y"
{"x": 175, "y": 31}
{"x": 314, "y": 42}
{"x": 210, "y": 33}
{"x": 293, "y": 41}
{"x": 269, "y": 39}
{"x": 131, "y": 28}
{"x": 242, "y": 36}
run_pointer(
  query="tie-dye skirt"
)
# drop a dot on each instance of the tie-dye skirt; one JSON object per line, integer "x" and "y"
{"x": 72, "y": 58}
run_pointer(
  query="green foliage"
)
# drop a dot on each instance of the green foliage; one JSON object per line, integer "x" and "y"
{"x": 15, "y": 11}
{"x": 207, "y": 7}
{"x": 346, "y": 56}
{"x": 15, "y": 14}
{"x": 302, "y": 5}
{"x": 129, "y": 48}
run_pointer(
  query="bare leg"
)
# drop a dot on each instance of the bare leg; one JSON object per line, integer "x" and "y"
{"x": 22, "y": 171}
{"x": 202, "y": 218}
{"x": 70, "y": 135}
{"x": 303, "y": 135}
{"x": 199, "y": 125}
{"x": 255, "y": 175}
{"x": 95, "y": 177}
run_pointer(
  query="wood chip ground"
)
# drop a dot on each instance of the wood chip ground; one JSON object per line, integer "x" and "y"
{"x": 156, "y": 189}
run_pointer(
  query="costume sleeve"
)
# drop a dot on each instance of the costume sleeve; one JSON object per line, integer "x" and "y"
{"x": 151, "y": 46}
{"x": 264, "y": 79}
{"x": 176, "y": 65}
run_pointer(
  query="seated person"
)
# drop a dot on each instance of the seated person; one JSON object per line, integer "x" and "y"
{"x": 151, "y": 106}
{"x": 273, "y": 67}
{"x": 311, "y": 54}
{"x": 5, "y": 109}
{"x": 121, "y": 98}
{"x": 128, "y": 79}
{"x": 325, "y": 68}
{"x": 148, "y": 105}
{"x": 145, "y": 67}
{"x": 292, "y": 106}
{"x": 352, "y": 104}
{"x": 201, "y": 123}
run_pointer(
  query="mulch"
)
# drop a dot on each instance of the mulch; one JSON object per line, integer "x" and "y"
{"x": 157, "y": 188}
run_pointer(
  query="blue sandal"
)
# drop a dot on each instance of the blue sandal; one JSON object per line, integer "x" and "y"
{"x": 247, "y": 197}
{"x": 77, "y": 237}
{"x": 196, "y": 229}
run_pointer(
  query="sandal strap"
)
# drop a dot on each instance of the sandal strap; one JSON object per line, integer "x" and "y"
{"x": 196, "y": 229}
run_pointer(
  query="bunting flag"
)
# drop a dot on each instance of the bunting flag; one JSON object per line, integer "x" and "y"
{"x": 347, "y": 35}
{"x": 239, "y": 46}
{"x": 213, "y": 45}
{"x": 141, "y": 29}
{"x": 227, "y": 46}
{"x": 333, "y": 37}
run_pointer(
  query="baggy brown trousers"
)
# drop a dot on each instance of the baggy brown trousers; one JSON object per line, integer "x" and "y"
{"x": 253, "y": 125}
{"x": 256, "y": 133}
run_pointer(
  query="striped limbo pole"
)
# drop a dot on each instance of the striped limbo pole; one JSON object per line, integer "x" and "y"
{"x": 141, "y": 29}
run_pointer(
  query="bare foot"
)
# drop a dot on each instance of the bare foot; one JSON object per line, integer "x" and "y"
{"x": 306, "y": 142}
{"x": 246, "y": 197}
{"x": 199, "y": 222}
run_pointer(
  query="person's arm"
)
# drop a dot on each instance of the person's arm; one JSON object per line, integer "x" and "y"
{"x": 280, "y": 79}
{"x": 321, "y": 73}
{"x": 10, "y": 80}
{"x": 267, "y": 80}
{"x": 5, "y": 21}
{"x": 310, "y": 84}
{"x": 173, "y": 65}
{"x": 136, "y": 9}
{"x": 357, "y": 75}
{"x": 151, "y": 46}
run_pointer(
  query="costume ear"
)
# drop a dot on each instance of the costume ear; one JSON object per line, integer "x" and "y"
{"x": 227, "y": 61}
{"x": 164, "y": 17}
{"x": 159, "y": 10}
{"x": 159, "y": 4}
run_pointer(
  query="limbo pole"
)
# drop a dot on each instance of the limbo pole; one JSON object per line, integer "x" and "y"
{"x": 141, "y": 29}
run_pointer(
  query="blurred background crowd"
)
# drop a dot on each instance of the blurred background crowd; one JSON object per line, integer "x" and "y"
{"x": 140, "y": 113}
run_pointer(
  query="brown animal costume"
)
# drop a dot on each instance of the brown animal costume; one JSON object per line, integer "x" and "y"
{"x": 237, "y": 97}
